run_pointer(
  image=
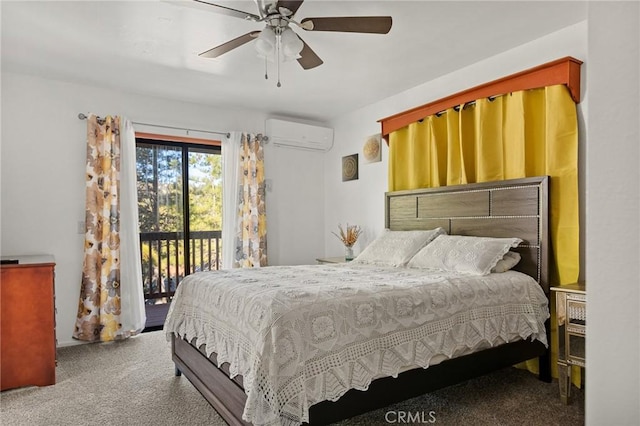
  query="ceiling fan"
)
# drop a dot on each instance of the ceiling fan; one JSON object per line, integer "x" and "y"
{"x": 277, "y": 38}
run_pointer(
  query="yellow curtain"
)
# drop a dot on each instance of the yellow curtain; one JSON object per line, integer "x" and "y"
{"x": 522, "y": 134}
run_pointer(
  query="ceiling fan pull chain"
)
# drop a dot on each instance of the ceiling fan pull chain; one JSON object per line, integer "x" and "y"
{"x": 278, "y": 46}
{"x": 266, "y": 69}
{"x": 279, "y": 85}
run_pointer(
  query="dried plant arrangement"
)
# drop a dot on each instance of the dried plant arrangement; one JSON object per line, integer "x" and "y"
{"x": 348, "y": 235}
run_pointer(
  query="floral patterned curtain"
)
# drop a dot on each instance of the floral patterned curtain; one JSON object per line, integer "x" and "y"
{"x": 251, "y": 236}
{"x": 99, "y": 308}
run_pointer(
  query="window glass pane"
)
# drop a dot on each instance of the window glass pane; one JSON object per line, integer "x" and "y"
{"x": 205, "y": 208}
{"x": 161, "y": 217}
{"x": 159, "y": 172}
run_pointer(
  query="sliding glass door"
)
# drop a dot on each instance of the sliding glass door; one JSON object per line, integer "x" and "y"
{"x": 180, "y": 211}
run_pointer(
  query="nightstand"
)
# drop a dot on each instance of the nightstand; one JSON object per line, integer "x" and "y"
{"x": 571, "y": 313}
{"x": 327, "y": 260}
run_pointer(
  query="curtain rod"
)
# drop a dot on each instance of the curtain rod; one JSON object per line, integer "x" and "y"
{"x": 82, "y": 116}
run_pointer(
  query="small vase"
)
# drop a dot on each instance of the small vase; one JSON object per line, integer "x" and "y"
{"x": 348, "y": 253}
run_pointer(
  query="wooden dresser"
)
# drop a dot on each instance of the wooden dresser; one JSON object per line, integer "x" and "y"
{"x": 27, "y": 322}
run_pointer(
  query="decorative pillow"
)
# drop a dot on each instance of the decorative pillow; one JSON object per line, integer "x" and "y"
{"x": 462, "y": 254}
{"x": 396, "y": 248}
{"x": 510, "y": 259}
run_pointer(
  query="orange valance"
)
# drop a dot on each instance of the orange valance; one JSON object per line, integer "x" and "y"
{"x": 561, "y": 71}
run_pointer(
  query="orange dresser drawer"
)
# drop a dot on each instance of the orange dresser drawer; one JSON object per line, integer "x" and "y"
{"x": 27, "y": 323}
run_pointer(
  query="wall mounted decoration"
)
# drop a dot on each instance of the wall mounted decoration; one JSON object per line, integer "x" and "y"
{"x": 372, "y": 149}
{"x": 350, "y": 167}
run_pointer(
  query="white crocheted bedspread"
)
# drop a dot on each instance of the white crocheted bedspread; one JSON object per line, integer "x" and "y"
{"x": 300, "y": 335}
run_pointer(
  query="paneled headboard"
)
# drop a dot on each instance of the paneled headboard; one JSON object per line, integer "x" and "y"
{"x": 507, "y": 208}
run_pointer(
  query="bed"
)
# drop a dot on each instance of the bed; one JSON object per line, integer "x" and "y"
{"x": 332, "y": 388}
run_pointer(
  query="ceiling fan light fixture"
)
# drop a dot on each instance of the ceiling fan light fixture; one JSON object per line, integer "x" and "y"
{"x": 266, "y": 42}
{"x": 291, "y": 44}
{"x": 269, "y": 58}
{"x": 290, "y": 58}
{"x": 278, "y": 43}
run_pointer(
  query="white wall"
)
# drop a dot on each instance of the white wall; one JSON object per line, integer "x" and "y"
{"x": 362, "y": 202}
{"x": 613, "y": 213}
{"x": 295, "y": 205}
{"x": 43, "y": 163}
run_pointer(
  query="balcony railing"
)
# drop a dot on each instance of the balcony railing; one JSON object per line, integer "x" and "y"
{"x": 163, "y": 265}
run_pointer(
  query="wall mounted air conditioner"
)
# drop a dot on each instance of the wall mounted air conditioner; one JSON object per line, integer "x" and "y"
{"x": 297, "y": 135}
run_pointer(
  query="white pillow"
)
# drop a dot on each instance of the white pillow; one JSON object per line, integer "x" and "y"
{"x": 396, "y": 248}
{"x": 462, "y": 254}
{"x": 510, "y": 259}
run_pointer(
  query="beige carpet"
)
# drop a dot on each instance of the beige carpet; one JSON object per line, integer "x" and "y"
{"x": 137, "y": 386}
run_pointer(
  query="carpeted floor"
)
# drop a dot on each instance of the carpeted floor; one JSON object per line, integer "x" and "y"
{"x": 137, "y": 386}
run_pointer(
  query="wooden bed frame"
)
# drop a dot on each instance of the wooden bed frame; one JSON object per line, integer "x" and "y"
{"x": 510, "y": 208}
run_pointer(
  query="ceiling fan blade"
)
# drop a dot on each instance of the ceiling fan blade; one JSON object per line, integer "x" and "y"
{"x": 231, "y": 12}
{"x": 230, "y": 45}
{"x": 349, "y": 24}
{"x": 308, "y": 58}
{"x": 292, "y": 5}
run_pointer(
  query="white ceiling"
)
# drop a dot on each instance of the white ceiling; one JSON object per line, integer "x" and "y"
{"x": 151, "y": 47}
